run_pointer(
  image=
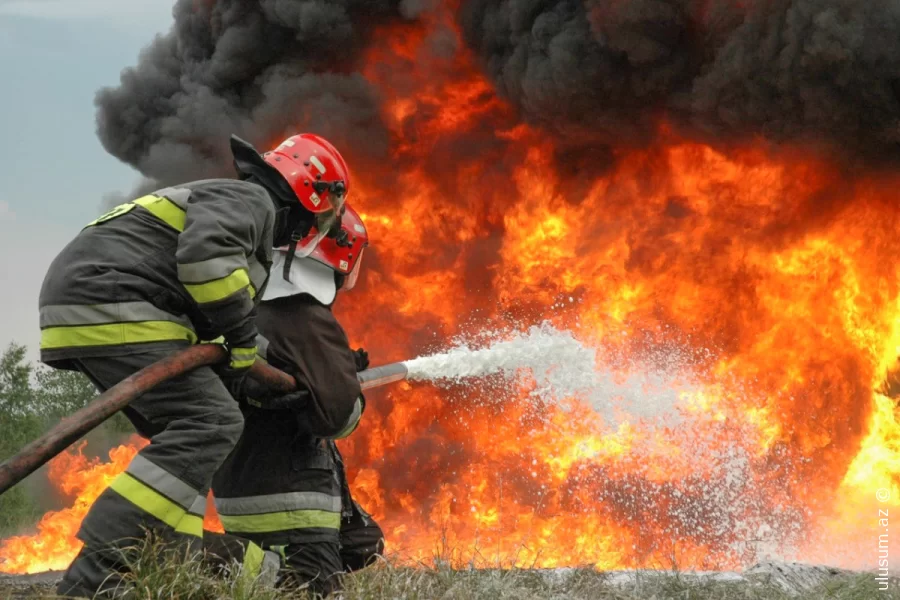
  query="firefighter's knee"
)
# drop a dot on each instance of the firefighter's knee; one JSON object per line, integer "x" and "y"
{"x": 231, "y": 424}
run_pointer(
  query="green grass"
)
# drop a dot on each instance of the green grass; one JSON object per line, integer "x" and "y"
{"x": 158, "y": 574}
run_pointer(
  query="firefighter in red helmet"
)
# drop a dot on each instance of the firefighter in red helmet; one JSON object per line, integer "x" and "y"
{"x": 318, "y": 175}
{"x": 284, "y": 486}
{"x": 178, "y": 266}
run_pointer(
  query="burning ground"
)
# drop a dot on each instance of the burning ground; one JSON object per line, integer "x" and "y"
{"x": 702, "y": 189}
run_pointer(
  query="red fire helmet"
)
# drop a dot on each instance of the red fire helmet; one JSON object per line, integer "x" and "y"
{"x": 318, "y": 175}
{"x": 344, "y": 252}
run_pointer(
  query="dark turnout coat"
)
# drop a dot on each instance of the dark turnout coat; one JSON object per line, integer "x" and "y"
{"x": 283, "y": 482}
{"x": 181, "y": 264}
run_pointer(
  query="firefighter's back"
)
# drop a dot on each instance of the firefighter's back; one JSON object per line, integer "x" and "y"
{"x": 115, "y": 287}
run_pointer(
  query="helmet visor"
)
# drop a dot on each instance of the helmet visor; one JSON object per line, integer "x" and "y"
{"x": 326, "y": 225}
{"x": 352, "y": 278}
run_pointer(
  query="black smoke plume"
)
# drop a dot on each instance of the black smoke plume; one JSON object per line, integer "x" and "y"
{"x": 822, "y": 72}
{"x": 258, "y": 69}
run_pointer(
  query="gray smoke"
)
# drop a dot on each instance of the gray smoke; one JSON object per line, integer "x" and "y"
{"x": 259, "y": 69}
{"x": 822, "y": 72}
{"x": 596, "y": 72}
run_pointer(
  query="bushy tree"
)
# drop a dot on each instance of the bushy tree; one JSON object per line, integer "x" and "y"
{"x": 19, "y": 423}
{"x": 33, "y": 399}
{"x": 60, "y": 393}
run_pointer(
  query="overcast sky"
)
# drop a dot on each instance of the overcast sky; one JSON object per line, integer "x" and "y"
{"x": 54, "y": 55}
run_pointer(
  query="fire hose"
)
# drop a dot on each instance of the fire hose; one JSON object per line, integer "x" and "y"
{"x": 73, "y": 427}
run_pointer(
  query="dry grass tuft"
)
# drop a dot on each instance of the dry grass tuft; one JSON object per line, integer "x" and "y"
{"x": 157, "y": 574}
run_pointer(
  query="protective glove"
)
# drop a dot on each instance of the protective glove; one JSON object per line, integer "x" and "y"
{"x": 361, "y": 357}
{"x": 293, "y": 401}
{"x": 259, "y": 395}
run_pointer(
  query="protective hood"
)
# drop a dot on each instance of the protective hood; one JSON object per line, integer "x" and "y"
{"x": 307, "y": 276}
{"x": 248, "y": 163}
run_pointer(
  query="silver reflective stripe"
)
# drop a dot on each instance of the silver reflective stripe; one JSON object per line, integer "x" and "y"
{"x": 198, "y": 507}
{"x": 262, "y": 347}
{"x": 352, "y": 422}
{"x": 258, "y": 273}
{"x": 178, "y": 196}
{"x": 271, "y": 565}
{"x": 95, "y": 314}
{"x": 256, "y": 505}
{"x": 162, "y": 481}
{"x": 212, "y": 269}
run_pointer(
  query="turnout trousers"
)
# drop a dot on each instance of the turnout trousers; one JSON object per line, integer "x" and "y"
{"x": 317, "y": 566}
{"x": 288, "y": 493}
{"x": 192, "y": 423}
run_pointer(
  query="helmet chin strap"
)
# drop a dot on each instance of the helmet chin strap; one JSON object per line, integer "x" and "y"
{"x": 299, "y": 226}
{"x": 292, "y": 248}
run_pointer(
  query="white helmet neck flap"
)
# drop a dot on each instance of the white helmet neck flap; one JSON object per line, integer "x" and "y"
{"x": 307, "y": 276}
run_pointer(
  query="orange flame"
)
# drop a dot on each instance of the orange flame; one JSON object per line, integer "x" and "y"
{"x": 770, "y": 276}
{"x": 80, "y": 479}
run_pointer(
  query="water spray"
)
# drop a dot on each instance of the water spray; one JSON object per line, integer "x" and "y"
{"x": 557, "y": 363}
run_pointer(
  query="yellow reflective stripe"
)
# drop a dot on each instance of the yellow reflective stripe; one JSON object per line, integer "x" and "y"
{"x": 219, "y": 288}
{"x": 113, "y": 334}
{"x": 162, "y": 208}
{"x": 112, "y": 214}
{"x": 190, "y": 525}
{"x": 281, "y": 521}
{"x": 243, "y": 358}
{"x": 253, "y": 559}
{"x": 165, "y": 210}
{"x": 280, "y": 550}
{"x": 149, "y": 500}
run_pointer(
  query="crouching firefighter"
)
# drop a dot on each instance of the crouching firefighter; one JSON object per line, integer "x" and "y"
{"x": 181, "y": 265}
{"x": 284, "y": 485}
